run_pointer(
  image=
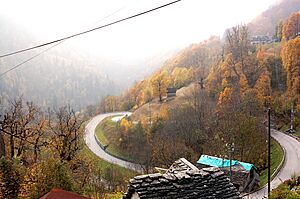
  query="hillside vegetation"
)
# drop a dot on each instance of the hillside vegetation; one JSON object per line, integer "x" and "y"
{"x": 61, "y": 75}
{"x": 224, "y": 90}
{"x": 265, "y": 23}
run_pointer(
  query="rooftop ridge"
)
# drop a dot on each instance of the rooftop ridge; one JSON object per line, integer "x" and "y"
{"x": 193, "y": 167}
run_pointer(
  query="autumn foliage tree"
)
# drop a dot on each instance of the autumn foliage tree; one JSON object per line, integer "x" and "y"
{"x": 291, "y": 27}
{"x": 263, "y": 87}
{"x": 10, "y": 178}
{"x": 17, "y": 124}
{"x": 291, "y": 63}
{"x": 180, "y": 77}
{"x": 65, "y": 129}
{"x": 160, "y": 81}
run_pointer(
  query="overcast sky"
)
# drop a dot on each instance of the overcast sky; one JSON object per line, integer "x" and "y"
{"x": 173, "y": 27}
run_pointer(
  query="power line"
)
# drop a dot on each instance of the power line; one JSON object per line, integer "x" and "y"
{"x": 37, "y": 55}
{"x": 90, "y": 30}
{"x": 27, "y": 60}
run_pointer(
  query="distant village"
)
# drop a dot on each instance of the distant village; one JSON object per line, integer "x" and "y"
{"x": 262, "y": 39}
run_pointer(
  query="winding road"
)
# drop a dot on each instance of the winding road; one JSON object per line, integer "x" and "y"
{"x": 91, "y": 142}
{"x": 290, "y": 167}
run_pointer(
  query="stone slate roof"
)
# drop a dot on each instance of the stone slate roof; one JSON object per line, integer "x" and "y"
{"x": 181, "y": 165}
{"x": 183, "y": 180}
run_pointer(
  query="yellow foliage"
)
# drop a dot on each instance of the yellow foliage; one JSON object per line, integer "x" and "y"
{"x": 141, "y": 99}
{"x": 290, "y": 59}
{"x": 164, "y": 112}
{"x": 243, "y": 83}
{"x": 291, "y": 27}
{"x": 263, "y": 84}
{"x": 145, "y": 121}
{"x": 180, "y": 76}
{"x": 160, "y": 81}
{"x": 225, "y": 96}
{"x": 125, "y": 125}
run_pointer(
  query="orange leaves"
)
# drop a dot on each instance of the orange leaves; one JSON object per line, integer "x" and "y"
{"x": 263, "y": 87}
{"x": 225, "y": 96}
{"x": 243, "y": 83}
{"x": 160, "y": 81}
{"x": 164, "y": 112}
{"x": 291, "y": 28}
{"x": 261, "y": 54}
{"x": 291, "y": 63}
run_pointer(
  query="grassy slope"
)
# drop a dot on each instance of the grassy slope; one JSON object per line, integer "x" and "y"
{"x": 284, "y": 191}
{"x": 98, "y": 162}
{"x": 104, "y": 165}
{"x": 276, "y": 158}
{"x": 182, "y": 96}
{"x": 107, "y": 134}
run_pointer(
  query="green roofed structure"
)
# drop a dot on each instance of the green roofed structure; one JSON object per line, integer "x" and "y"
{"x": 220, "y": 162}
{"x": 244, "y": 175}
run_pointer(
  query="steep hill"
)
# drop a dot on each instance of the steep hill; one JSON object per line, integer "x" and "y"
{"x": 188, "y": 65}
{"x": 62, "y": 75}
{"x": 201, "y": 55}
{"x": 183, "y": 95}
{"x": 265, "y": 23}
{"x": 56, "y": 78}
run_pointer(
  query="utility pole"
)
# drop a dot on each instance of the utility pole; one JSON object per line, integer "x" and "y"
{"x": 269, "y": 151}
{"x": 150, "y": 119}
{"x": 292, "y": 130}
{"x": 230, "y": 147}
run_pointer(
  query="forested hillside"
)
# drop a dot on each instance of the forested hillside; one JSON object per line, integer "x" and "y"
{"x": 265, "y": 23}
{"x": 62, "y": 75}
{"x": 190, "y": 64}
{"x": 226, "y": 85}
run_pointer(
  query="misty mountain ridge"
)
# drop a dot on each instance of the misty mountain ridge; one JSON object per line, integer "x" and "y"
{"x": 265, "y": 23}
{"x": 63, "y": 75}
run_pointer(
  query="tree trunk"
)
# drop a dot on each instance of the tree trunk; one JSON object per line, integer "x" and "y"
{"x": 20, "y": 149}
{"x": 2, "y": 145}
{"x": 12, "y": 147}
{"x": 36, "y": 150}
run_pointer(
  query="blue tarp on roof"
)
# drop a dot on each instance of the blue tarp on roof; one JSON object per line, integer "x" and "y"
{"x": 219, "y": 162}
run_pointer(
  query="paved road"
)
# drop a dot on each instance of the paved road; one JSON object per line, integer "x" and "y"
{"x": 96, "y": 149}
{"x": 290, "y": 145}
{"x": 290, "y": 167}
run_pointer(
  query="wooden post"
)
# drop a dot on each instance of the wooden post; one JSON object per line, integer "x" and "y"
{"x": 269, "y": 151}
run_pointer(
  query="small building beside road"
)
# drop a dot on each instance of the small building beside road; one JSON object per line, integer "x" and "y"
{"x": 244, "y": 175}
